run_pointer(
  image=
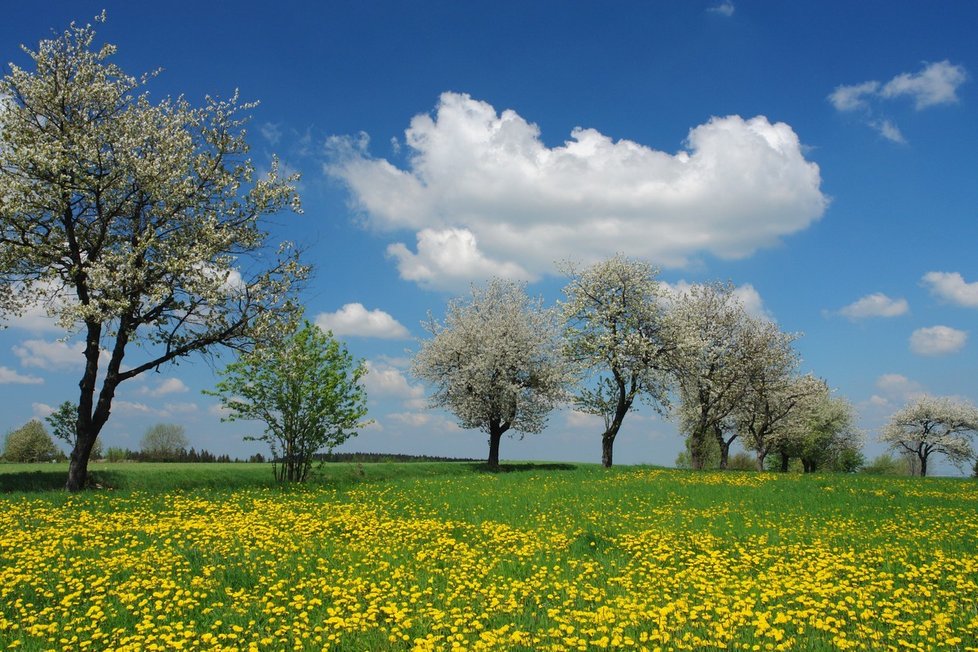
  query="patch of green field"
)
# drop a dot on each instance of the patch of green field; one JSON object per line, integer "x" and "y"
{"x": 442, "y": 556}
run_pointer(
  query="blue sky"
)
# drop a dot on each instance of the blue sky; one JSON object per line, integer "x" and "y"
{"x": 820, "y": 155}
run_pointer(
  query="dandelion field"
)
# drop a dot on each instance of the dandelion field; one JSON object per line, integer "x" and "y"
{"x": 576, "y": 558}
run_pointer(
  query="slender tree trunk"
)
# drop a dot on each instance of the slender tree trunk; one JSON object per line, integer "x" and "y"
{"x": 784, "y": 462}
{"x": 923, "y": 465}
{"x": 624, "y": 404}
{"x": 761, "y": 456}
{"x": 496, "y": 431}
{"x": 607, "y": 449}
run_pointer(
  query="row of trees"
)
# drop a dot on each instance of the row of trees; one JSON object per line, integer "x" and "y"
{"x": 501, "y": 361}
{"x": 136, "y": 222}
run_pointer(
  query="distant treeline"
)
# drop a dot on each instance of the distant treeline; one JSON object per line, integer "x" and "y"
{"x": 205, "y": 456}
{"x": 179, "y": 455}
{"x": 387, "y": 457}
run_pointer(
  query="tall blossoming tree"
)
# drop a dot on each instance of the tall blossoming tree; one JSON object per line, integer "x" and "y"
{"x": 614, "y": 320}
{"x": 134, "y": 222}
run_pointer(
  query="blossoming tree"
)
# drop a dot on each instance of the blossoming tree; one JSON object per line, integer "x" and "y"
{"x": 133, "y": 222}
{"x": 931, "y": 425}
{"x": 496, "y": 362}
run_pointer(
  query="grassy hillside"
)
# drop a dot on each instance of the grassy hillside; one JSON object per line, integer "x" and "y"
{"x": 436, "y": 556}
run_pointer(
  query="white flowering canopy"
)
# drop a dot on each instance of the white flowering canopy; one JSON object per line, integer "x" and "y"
{"x": 496, "y": 361}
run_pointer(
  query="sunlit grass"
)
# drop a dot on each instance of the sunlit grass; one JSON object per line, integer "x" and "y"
{"x": 446, "y": 556}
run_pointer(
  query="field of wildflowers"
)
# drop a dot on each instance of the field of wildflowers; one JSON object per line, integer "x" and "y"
{"x": 561, "y": 559}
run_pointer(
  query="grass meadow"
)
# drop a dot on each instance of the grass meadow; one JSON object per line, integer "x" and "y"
{"x": 446, "y": 556}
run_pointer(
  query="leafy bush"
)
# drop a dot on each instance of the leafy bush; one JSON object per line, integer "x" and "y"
{"x": 30, "y": 443}
{"x": 742, "y": 462}
{"x": 887, "y": 464}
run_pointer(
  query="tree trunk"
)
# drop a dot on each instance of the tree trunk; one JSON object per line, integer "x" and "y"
{"x": 78, "y": 461}
{"x": 760, "y": 460}
{"x": 623, "y": 405}
{"x": 784, "y": 462}
{"x": 607, "y": 449}
{"x": 923, "y": 465}
{"x": 495, "y": 435}
{"x": 92, "y": 415}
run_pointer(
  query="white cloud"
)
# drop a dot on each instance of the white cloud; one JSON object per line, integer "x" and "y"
{"x": 889, "y": 131}
{"x": 725, "y": 8}
{"x": 449, "y": 259}
{"x": 185, "y": 407}
{"x": 56, "y": 355}
{"x": 952, "y": 287}
{"x": 875, "y": 305}
{"x": 413, "y": 419}
{"x": 897, "y": 387}
{"x": 936, "y": 84}
{"x": 41, "y": 410}
{"x": 385, "y": 380}
{"x": 850, "y": 98}
{"x": 124, "y": 408}
{"x": 168, "y": 410}
{"x": 482, "y": 186}
{"x": 271, "y": 132}
{"x": 582, "y": 420}
{"x": 354, "y": 319}
{"x": 937, "y": 340}
{"x": 10, "y": 377}
{"x": 164, "y": 387}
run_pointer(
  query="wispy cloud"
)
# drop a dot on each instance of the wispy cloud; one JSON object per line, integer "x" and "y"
{"x": 934, "y": 85}
{"x": 724, "y": 9}
{"x": 9, "y": 376}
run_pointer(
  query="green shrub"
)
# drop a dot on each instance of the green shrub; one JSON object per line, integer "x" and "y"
{"x": 30, "y": 443}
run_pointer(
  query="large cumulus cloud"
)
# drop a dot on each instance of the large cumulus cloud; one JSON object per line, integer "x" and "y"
{"x": 484, "y": 182}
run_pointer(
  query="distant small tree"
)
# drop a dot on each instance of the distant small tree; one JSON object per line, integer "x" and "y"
{"x": 305, "y": 388}
{"x": 931, "y": 425}
{"x": 30, "y": 443}
{"x": 887, "y": 464}
{"x": 164, "y": 441}
{"x": 496, "y": 362}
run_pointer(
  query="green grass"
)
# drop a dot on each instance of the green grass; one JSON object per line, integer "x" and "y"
{"x": 427, "y": 555}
